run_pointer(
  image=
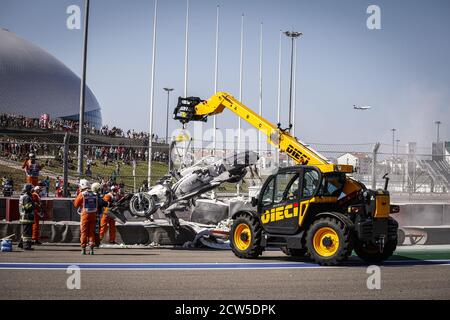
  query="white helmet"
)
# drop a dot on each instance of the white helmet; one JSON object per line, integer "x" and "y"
{"x": 84, "y": 184}
{"x": 95, "y": 187}
{"x": 37, "y": 188}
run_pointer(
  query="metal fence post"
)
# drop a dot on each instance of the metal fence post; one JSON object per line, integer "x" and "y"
{"x": 65, "y": 164}
{"x": 134, "y": 176}
{"x": 171, "y": 146}
{"x": 374, "y": 165}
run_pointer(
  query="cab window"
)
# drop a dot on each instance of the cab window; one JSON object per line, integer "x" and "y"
{"x": 293, "y": 189}
{"x": 282, "y": 186}
{"x": 332, "y": 184}
{"x": 310, "y": 183}
{"x": 267, "y": 196}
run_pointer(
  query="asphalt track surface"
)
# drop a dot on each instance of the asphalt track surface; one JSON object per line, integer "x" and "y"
{"x": 155, "y": 273}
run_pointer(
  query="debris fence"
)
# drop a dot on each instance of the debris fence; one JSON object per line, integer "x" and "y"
{"x": 411, "y": 169}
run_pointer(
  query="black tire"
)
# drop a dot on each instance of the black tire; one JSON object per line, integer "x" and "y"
{"x": 296, "y": 253}
{"x": 254, "y": 249}
{"x": 144, "y": 207}
{"x": 345, "y": 242}
{"x": 371, "y": 253}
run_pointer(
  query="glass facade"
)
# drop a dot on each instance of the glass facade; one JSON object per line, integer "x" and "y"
{"x": 94, "y": 118}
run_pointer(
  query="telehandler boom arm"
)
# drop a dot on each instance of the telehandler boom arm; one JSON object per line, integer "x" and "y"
{"x": 195, "y": 109}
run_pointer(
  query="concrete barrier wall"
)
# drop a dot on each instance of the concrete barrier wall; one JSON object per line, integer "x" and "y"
{"x": 61, "y": 223}
{"x": 423, "y": 214}
{"x": 62, "y": 209}
{"x": 67, "y": 232}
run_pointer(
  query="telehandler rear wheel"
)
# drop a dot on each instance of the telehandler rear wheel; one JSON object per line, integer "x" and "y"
{"x": 371, "y": 253}
{"x": 329, "y": 241}
{"x": 245, "y": 237}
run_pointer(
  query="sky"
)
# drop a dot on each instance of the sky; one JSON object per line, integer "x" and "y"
{"x": 401, "y": 70}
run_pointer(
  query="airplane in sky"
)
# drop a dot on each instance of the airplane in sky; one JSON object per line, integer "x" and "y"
{"x": 361, "y": 107}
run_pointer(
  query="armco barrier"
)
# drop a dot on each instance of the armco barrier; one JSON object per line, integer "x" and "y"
{"x": 12, "y": 209}
{"x": 9, "y": 209}
{"x": 62, "y": 209}
{"x": 2, "y": 208}
{"x": 48, "y": 208}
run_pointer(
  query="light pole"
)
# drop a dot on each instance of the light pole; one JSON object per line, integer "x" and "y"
{"x": 186, "y": 68}
{"x": 438, "y": 123}
{"x": 216, "y": 74}
{"x": 293, "y": 35}
{"x": 393, "y": 140}
{"x": 82, "y": 89}
{"x": 241, "y": 68}
{"x": 260, "y": 83}
{"x": 186, "y": 51}
{"x": 152, "y": 96}
{"x": 167, "y": 113}
{"x": 279, "y": 93}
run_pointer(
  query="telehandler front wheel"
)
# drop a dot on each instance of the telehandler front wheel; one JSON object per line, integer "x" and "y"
{"x": 245, "y": 237}
{"x": 329, "y": 241}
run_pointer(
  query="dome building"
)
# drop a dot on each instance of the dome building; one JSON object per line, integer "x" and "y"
{"x": 33, "y": 82}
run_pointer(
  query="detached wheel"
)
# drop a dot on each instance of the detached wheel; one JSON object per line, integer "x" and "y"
{"x": 142, "y": 205}
{"x": 371, "y": 253}
{"x": 245, "y": 237}
{"x": 296, "y": 253}
{"x": 328, "y": 241}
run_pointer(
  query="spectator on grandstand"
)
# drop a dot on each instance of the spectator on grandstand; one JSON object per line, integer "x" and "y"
{"x": 104, "y": 186}
{"x": 46, "y": 183}
{"x": 45, "y": 123}
{"x": 98, "y": 153}
{"x": 144, "y": 187}
{"x": 88, "y": 168}
{"x": 59, "y": 187}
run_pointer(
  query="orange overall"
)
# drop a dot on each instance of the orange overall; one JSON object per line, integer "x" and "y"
{"x": 87, "y": 201}
{"x": 106, "y": 221}
{"x": 32, "y": 171}
{"x": 37, "y": 218}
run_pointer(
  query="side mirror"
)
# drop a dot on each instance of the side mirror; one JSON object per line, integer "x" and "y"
{"x": 254, "y": 202}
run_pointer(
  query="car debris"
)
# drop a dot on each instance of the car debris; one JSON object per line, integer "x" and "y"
{"x": 215, "y": 237}
{"x": 178, "y": 191}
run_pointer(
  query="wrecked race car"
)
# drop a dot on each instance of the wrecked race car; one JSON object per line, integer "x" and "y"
{"x": 177, "y": 192}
